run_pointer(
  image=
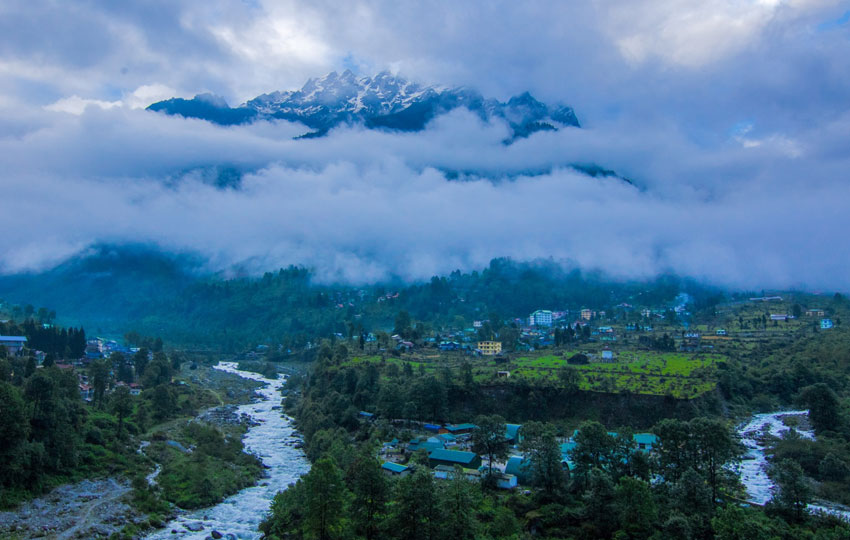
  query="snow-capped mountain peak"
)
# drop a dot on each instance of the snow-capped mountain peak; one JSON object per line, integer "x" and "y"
{"x": 384, "y": 101}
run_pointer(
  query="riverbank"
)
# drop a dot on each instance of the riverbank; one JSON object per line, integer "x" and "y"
{"x": 272, "y": 439}
{"x": 98, "y": 507}
{"x": 753, "y": 468}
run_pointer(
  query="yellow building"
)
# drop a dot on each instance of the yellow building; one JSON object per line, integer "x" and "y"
{"x": 490, "y": 347}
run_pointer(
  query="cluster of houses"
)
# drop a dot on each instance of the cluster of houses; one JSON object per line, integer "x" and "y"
{"x": 825, "y": 322}
{"x": 449, "y": 451}
{"x": 103, "y": 348}
{"x": 95, "y": 349}
{"x": 547, "y": 318}
{"x": 448, "y": 447}
{"x": 521, "y": 468}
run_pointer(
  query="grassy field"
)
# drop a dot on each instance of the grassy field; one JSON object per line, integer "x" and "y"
{"x": 681, "y": 375}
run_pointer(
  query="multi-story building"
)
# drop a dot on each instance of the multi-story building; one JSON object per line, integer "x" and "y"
{"x": 490, "y": 348}
{"x": 541, "y": 317}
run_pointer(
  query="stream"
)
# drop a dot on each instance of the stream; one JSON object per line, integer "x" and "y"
{"x": 271, "y": 440}
{"x": 753, "y": 467}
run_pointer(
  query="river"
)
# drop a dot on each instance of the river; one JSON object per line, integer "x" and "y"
{"x": 753, "y": 467}
{"x": 271, "y": 440}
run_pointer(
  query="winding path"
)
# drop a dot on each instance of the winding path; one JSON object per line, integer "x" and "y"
{"x": 85, "y": 521}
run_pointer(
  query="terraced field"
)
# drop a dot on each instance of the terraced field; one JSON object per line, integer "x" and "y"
{"x": 680, "y": 375}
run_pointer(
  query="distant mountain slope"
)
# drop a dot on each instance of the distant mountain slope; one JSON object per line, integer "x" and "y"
{"x": 114, "y": 289}
{"x": 381, "y": 102}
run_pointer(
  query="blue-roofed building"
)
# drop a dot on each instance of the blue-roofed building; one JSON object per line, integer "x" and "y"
{"x": 13, "y": 344}
{"x": 826, "y": 324}
{"x": 512, "y": 433}
{"x": 520, "y": 468}
{"x": 449, "y": 346}
{"x": 432, "y": 427}
{"x": 469, "y": 460}
{"x": 366, "y": 415}
{"x": 566, "y": 454}
{"x": 395, "y": 469}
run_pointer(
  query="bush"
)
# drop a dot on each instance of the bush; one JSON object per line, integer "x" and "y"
{"x": 94, "y": 436}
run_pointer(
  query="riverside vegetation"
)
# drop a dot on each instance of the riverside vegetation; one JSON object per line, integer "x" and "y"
{"x": 52, "y": 437}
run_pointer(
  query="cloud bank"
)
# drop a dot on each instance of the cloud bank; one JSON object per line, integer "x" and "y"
{"x": 733, "y": 120}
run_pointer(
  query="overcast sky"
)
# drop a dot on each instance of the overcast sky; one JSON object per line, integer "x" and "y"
{"x": 733, "y": 118}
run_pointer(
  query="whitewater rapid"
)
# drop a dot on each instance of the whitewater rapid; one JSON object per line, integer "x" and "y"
{"x": 271, "y": 440}
{"x": 753, "y": 467}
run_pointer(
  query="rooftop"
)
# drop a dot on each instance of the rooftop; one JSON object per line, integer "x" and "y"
{"x": 454, "y": 456}
{"x": 394, "y": 467}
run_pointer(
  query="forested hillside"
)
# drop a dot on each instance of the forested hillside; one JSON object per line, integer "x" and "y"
{"x": 116, "y": 290}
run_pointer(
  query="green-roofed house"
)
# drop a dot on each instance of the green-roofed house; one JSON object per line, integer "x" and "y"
{"x": 458, "y": 429}
{"x": 448, "y": 439}
{"x": 395, "y": 469}
{"x": 441, "y": 456}
{"x": 429, "y": 444}
{"x": 646, "y": 441}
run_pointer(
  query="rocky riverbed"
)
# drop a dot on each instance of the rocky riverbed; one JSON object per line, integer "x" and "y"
{"x": 87, "y": 509}
{"x": 755, "y": 435}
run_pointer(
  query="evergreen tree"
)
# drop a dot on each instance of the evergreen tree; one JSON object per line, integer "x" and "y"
{"x": 14, "y": 425}
{"x": 121, "y": 404}
{"x": 715, "y": 447}
{"x": 635, "y": 507}
{"x": 459, "y": 504}
{"x": 99, "y": 373}
{"x": 823, "y": 406}
{"x": 140, "y": 362}
{"x": 541, "y": 449}
{"x": 488, "y": 439}
{"x": 416, "y": 515}
{"x": 370, "y": 495}
{"x": 792, "y": 493}
{"x": 325, "y": 496}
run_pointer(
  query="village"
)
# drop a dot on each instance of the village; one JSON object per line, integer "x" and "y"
{"x": 96, "y": 349}
{"x": 447, "y": 450}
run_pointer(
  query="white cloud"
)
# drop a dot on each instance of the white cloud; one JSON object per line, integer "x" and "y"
{"x": 692, "y": 34}
{"x": 364, "y": 205}
{"x": 657, "y": 86}
{"x": 77, "y": 105}
{"x": 146, "y": 94}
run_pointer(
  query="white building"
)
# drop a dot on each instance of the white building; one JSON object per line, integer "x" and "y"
{"x": 541, "y": 317}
